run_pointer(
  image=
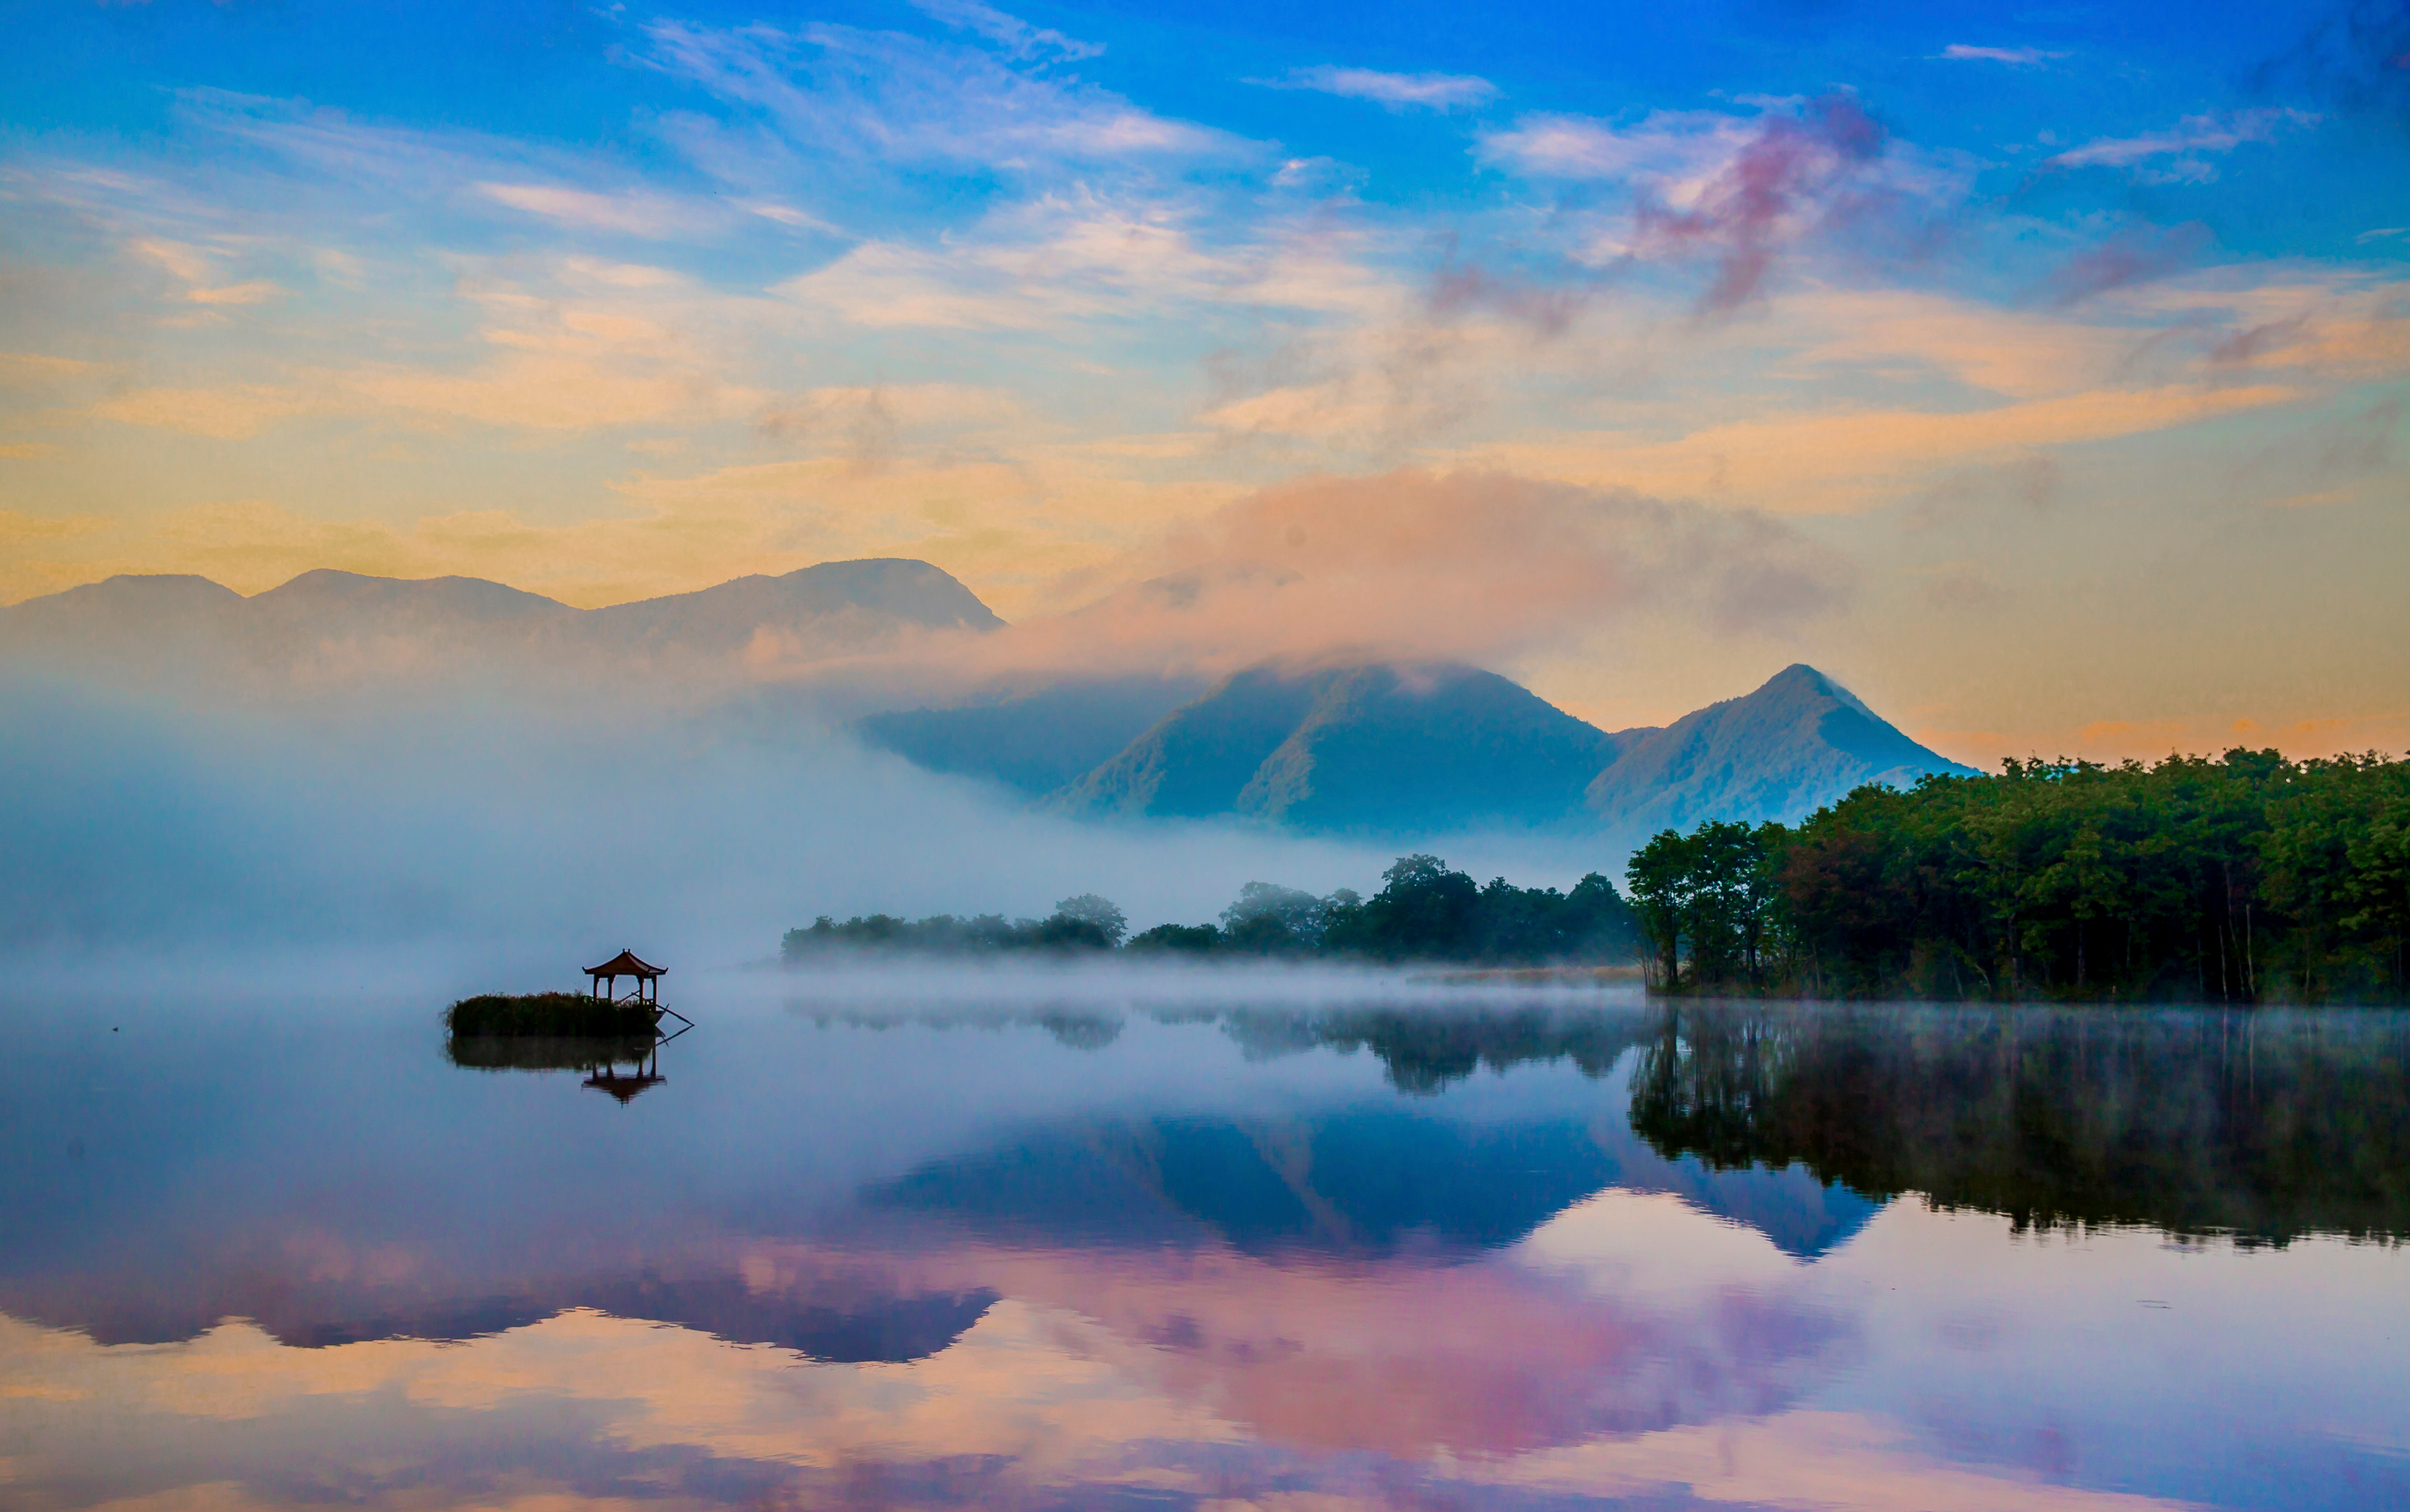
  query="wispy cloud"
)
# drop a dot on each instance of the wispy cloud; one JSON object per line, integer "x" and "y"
{"x": 837, "y": 91}
{"x": 2187, "y": 142}
{"x": 1667, "y": 148}
{"x": 251, "y": 291}
{"x": 646, "y": 216}
{"x": 1731, "y": 188}
{"x": 1015, "y": 36}
{"x": 180, "y": 260}
{"x": 1462, "y": 564}
{"x": 2023, "y": 57}
{"x": 1064, "y": 263}
{"x": 197, "y": 267}
{"x": 36, "y": 369}
{"x": 1435, "y": 92}
{"x": 2134, "y": 256}
{"x": 590, "y": 347}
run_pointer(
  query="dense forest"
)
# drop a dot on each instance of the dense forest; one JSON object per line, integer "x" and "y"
{"x": 2250, "y": 878}
{"x": 1424, "y": 911}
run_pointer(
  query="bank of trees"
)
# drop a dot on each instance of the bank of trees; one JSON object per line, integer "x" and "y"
{"x": 1425, "y": 910}
{"x": 1086, "y": 922}
{"x": 2245, "y": 878}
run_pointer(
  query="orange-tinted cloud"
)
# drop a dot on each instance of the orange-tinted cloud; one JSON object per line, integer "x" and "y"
{"x": 1412, "y": 564}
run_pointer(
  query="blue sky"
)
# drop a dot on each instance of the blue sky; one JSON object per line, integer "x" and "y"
{"x": 2038, "y": 372}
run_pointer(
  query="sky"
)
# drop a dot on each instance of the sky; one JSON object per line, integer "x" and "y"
{"x": 2038, "y": 373}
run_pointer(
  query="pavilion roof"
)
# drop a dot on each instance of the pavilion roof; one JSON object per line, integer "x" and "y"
{"x": 626, "y": 965}
{"x": 623, "y": 1088}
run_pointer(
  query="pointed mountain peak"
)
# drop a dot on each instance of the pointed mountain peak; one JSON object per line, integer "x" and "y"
{"x": 1800, "y": 681}
{"x": 1795, "y": 744}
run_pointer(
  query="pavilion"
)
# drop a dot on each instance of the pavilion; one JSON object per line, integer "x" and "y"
{"x": 626, "y": 964}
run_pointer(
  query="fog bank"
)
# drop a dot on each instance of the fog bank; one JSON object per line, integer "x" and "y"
{"x": 480, "y": 834}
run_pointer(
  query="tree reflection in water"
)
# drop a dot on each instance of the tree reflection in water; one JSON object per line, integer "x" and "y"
{"x": 2261, "y": 1126}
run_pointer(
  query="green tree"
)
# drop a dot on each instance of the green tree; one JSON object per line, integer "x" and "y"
{"x": 1102, "y": 913}
{"x": 1271, "y": 920}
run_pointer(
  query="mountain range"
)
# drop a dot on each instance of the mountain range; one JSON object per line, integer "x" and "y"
{"x": 1388, "y": 750}
{"x": 342, "y": 622}
{"x": 1367, "y": 748}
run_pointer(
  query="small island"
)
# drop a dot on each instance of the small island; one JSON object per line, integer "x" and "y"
{"x": 552, "y": 1015}
{"x": 599, "y": 1013}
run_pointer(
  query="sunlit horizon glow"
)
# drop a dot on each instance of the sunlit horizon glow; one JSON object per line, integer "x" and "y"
{"x": 2043, "y": 379}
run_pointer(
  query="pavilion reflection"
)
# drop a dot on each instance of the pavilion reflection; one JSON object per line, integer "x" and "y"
{"x": 619, "y": 1069}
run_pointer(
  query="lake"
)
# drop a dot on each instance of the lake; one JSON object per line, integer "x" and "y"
{"x": 1309, "y": 1244}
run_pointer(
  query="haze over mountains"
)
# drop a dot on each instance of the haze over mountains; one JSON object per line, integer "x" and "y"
{"x": 1388, "y": 750}
{"x": 336, "y": 622}
{"x": 1366, "y": 749}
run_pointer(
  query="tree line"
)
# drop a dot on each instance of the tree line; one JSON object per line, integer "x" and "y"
{"x": 1424, "y": 911}
{"x": 2245, "y": 878}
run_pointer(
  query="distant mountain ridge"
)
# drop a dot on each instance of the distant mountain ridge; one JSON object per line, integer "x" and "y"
{"x": 1374, "y": 748}
{"x": 1415, "y": 749}
{"x": 171, "y": 621}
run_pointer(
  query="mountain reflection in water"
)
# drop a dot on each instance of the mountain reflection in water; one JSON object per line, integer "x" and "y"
{"x": 1515, "y": 1252}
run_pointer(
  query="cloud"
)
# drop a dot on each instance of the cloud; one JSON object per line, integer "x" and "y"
{"x": 185, "y": 262}
{"x": 836, "y": 92}
{"x": 2135, "y": 255}
{"x": 1468, "y": 565}
{"x": 582, "y": 345}
{"x": 1918, "y": 335}
{"x": 2024, "y": 57}
{"x": 1732, "y": 189}
{"x": 1795, "y": 1459}
{"x": 1435, "y": 92}
{"x": 1760, "y": 196}
{"x": 789, "y": 215}
{"x": 198, "y": 267}
{"x": 17, "y": 527}
{"x": 1015, "y": 37}
{"x": 2187, "y": 142}
{"x": 1665, "y": 148}
{"x": 1851, "y": 461}
{"x": 385, "y": 160}
{"x": 229, "y": 411}
{"x": 554, "y": 386}
{"x": 867, "y": 423}
{"x": 653, "y": 216}
{"x": 38, "y": 370}
{"x": 1060, "y": 262}
{"x": 254, "y": 292}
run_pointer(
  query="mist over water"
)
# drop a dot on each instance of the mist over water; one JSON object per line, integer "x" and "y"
{"x": 511, "y": 833}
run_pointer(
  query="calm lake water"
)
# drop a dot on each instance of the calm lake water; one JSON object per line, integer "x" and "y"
{"x": 1225, "y": 1247}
